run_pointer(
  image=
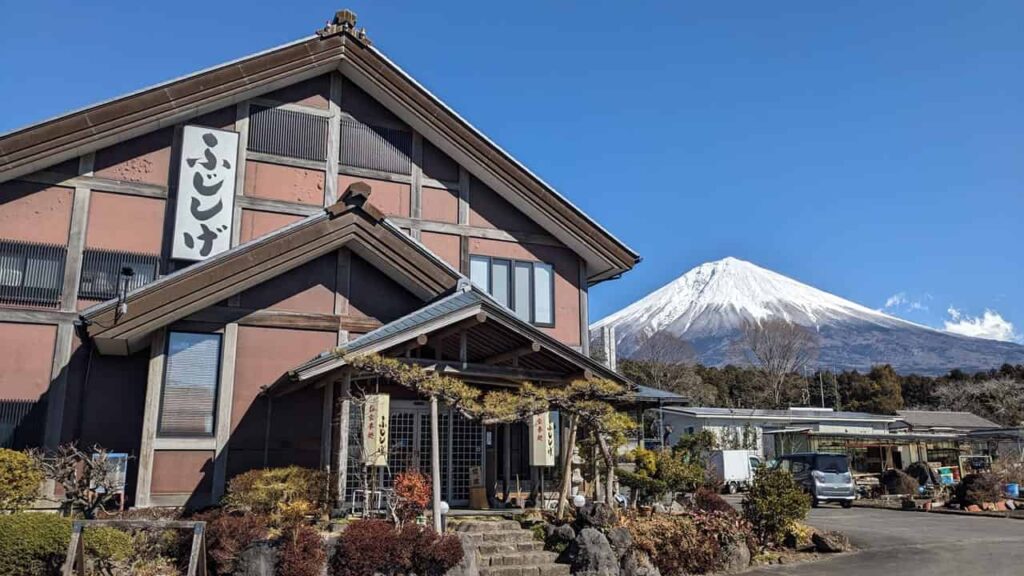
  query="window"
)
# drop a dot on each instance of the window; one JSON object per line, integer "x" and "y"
{"x": 526, "y": 288}
{"x": 101, "y": 272}
{"x": 30, "y": 273}
{"x": 191, "y": 377}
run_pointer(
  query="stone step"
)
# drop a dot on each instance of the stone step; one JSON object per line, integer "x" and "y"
{"x": 534, "y": 558}
{"x": 540, "y": 570}
{"x": 494, "y": 548}
{"x": 487, "y": 526}
{"x": 508, "y": 536}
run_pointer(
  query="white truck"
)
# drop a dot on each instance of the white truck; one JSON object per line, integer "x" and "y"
{"x": 733, "y": 469}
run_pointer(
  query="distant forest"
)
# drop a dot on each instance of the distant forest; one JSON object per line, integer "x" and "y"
{"x": 994, "y": 394}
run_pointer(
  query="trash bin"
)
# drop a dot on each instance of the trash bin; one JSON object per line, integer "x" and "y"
{"x": 1013, "y": 490}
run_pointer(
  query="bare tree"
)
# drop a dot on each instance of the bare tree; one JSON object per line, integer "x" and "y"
{"x": 780, "y": 348}
{"x": 998, "y": 399}
{"x": 666, "y": 362}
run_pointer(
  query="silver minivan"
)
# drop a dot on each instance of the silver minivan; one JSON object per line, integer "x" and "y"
{"x": 826, "y": 477}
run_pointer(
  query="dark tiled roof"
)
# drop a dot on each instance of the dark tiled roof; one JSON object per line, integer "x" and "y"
{"x": 944, "y": 419}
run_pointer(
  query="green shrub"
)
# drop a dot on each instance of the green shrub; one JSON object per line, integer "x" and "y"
{"x": 978, "y": 489}
{"x": 275, "y": 491}
{"x": 19, "y": 480}
{"x": 33, "y": 544}
{"x": 773, "y": 503}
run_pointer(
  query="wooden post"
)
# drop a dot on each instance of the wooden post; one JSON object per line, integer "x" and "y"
{"x": 435, "y": 464}
{"x": 570, "y": 447}
{"x": 343, "y": 425}
{"x": 506, "y": 460}
{"x": 197, "y": 559}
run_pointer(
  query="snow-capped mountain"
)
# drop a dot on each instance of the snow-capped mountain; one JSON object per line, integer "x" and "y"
{"x": 708, "y": 306}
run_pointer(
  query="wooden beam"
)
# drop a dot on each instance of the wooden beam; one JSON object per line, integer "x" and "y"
{"x": 417, "y": 342}
{"x": 530, "y": 348}
{"x": 440, "y": 335}
{"x": 488, "y": 372}
{"x": 287, "y": 161}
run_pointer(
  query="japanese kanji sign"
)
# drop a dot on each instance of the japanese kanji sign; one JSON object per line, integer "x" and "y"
{"x": 542, "y": 440}
{"x": 206, "y": 193}
{"x": 375, "y": 429}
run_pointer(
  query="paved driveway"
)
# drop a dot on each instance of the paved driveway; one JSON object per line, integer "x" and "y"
{"x": 915, "y": 544}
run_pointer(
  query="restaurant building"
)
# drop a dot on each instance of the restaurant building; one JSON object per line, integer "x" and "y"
{"x": 184, "y": 270}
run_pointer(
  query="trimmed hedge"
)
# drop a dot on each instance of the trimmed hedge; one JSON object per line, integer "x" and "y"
{"x": 35, "y": 544}
{"x": 19, "y": 480}
{"x": 773, "y": 504}
{"x": 371, "y": 547}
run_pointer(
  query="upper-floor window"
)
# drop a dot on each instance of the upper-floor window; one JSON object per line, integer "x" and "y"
{"x": 191, "y": 378}
{"x": 31, "y": 274}
{"x": 527, "y": 288}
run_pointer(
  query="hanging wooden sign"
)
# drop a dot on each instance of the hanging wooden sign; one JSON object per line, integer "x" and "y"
{"x": 542, "y": 439}
{"x": 206, "y": 193}
{"x": 375, "y": 429}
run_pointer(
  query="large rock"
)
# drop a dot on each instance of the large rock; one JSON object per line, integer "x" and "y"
{"x": 592, "y": 555}
{"x": 620, "y": 540}
{"x": 596, "y": 515}
{"x": 256, "y": 560}
{"x": 830, "y": 542}
{"x": 638, "y": 563}
{"x": 735, "y": 557}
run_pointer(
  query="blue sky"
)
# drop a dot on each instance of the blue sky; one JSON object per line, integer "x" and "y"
{"x": 866, "y": 148}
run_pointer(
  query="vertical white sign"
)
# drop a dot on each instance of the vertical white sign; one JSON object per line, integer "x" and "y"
{"x": 542, "y": 440}
{"x": 206, "y": 193}
{"x": 375, "y": 429}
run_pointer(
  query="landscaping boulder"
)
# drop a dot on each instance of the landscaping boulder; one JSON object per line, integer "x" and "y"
{"x": 638, "y": 563}
{"x": 257, "y": 560}
{"x": 620, "y": 540}
{"x": 596, "y": 515}
{"x": 735, "y": 558}
{"x": 592, "y": 555}
{"x": 830, "y": 542}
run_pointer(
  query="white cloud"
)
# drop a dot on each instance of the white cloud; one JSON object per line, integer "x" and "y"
{"x": 989, "y": 325}
{"x": 900, "y": 301}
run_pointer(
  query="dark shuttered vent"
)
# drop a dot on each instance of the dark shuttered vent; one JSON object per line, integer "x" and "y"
{"x": 287, "y": 133}
{"x": 375, "y": 147}
{"x": 12, "y": 414}
{"x": 31, "y": 274}
{"x": 190, "y": 384}
{"x": 102, "y": 272}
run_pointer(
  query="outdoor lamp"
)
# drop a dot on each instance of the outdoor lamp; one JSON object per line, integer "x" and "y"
{"x": 579, "y": 501}
{"x": 443, "y": 508}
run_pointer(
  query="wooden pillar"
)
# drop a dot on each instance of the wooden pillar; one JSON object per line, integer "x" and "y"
{"x": 435, "y": 463}
{"x": 506, "y": 459}
{"x": 343, "y": 425}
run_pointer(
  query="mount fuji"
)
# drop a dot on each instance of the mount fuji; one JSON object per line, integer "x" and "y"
{"x": 707, "y": 307}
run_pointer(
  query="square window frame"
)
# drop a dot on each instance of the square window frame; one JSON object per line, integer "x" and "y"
{"x": 511, "y": 279}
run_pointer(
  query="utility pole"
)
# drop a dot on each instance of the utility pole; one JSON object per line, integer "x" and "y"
{"x": 821, "y": 388}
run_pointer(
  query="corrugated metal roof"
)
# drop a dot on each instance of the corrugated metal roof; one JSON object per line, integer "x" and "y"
{"x": 799, "y": 414}
{"x": 438, "y": 308}
{"x": 646, "y": 393}
{"x": 944, "y": 419}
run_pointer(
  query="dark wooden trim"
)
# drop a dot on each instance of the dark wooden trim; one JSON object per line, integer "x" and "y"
{"x": 97, "y": 183}
{"x": 516, "y": 236}
{"x": 277, "y": 206}
{"x": 178, "y": 296}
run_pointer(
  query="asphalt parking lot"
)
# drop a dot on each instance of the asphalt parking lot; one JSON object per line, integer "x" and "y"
{"x": 915, "y": 544}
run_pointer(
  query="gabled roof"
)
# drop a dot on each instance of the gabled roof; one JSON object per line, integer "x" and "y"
{"x": 355, "y": 225}
{"x": 945, "y": 419}
{"x": 337, "y": 47}
{"x": 468, "y": 305}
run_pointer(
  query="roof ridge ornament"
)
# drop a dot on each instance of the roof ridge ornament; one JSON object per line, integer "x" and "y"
{"x": 344, "y": 22}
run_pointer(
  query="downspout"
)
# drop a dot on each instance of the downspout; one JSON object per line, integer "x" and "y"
{"x": 266, "y": 431}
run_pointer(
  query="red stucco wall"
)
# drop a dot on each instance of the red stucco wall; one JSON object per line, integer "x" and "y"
{"x": 35, "y": 212}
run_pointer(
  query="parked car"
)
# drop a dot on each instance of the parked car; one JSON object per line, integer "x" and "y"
{"x": 826, "y": 477}
{"x": 733, "y": 469}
